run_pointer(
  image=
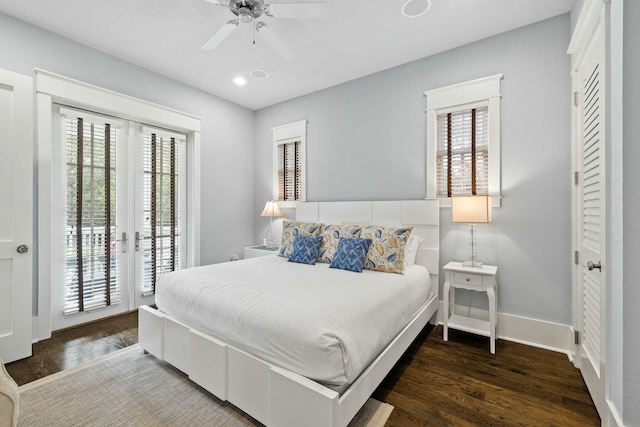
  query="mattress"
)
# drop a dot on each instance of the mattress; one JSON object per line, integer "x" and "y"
{"x": 325, "y": 324}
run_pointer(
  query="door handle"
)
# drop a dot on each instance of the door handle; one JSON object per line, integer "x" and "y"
{"x": 124, "y": 241}
{"x": 591, "y": 265}
{"x": 22, "y": 249}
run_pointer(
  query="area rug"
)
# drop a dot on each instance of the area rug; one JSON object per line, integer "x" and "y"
{"x": 131, "y": 388}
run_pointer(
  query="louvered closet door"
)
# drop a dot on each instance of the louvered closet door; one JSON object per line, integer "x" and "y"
{"x": 591, "y": 230}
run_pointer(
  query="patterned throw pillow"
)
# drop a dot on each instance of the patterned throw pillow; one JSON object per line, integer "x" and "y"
{"x": 386, "y": 252}
{"x": 305, "y": 249}
{"x": 331, "y": 236}
{"x": 291, "y": 229}
{"x": 350, "y": 254}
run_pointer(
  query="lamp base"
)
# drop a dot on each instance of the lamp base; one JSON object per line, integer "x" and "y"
{"x": 472, "y": 264}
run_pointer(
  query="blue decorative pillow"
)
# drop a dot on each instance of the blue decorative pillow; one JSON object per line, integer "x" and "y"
{"x": 350, "y": 254}
{"x": 291, "y": 229}
{"x": 305, "y": 249}
{"x": 331, "y": 237}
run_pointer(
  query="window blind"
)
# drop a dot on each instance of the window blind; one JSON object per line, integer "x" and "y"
{"x": 462, "y": 152}
{"x": 289, "y": 171}
{"x": 161, "y": 239}
{"x": 92, "y": 278}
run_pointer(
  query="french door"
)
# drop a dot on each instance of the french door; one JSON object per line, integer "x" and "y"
{"x": 159, "y": 208}
{"x": 120, "y": 220}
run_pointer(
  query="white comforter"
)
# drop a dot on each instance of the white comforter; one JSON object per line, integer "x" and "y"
{"x": 325, "y": 324}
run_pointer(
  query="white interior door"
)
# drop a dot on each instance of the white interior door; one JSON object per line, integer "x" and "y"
{"x": 16, "y": 214}
{"x": 590, "y": 220}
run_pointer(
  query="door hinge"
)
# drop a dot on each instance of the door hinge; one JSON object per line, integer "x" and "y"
{"x": 576, "y": 257}
{"x": 575, "y": 178}
{"x": 575, "y": 98}
{"x": 576, "y": 337}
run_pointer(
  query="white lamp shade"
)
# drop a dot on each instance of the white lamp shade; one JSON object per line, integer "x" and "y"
{"x": 271, "y": 209}
{"x": 471, "y": 209}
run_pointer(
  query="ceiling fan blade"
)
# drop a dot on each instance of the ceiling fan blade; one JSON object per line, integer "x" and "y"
{"x": 316, "y": 10}
{"x": 220, "y": 35}
{"x": 219, "y": 2}
{"x": 275, "y": 42}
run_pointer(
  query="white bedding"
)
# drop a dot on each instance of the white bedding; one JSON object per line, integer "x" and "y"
{"x": 325, "y": 324}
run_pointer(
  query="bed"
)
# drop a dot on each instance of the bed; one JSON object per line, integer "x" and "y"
{"x": 320, "y": 369}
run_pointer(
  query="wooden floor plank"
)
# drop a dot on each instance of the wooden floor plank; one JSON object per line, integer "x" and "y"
{"x": 436, "y": 383}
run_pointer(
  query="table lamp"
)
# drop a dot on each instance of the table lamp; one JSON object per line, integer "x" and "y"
{"x": 472, "y": 210}
{"x": 271, "y": 209}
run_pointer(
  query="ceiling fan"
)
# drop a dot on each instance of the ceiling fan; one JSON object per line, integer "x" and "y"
{"x": 248, "y": 12}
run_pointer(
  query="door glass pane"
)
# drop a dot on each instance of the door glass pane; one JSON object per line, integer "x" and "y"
{"x": 161, "y": 236}
{"x": 91, "y": 272}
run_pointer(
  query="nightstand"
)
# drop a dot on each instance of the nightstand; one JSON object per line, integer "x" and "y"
{"x": 480, "y": 279}
{"x": 261, "y": 250}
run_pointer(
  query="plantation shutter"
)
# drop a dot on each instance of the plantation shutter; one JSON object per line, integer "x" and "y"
{"x": 91, "y": 274}
{"x": 289, "y": 171}
{"x": 161, "y": 239}
{"x": 462, "y": 162}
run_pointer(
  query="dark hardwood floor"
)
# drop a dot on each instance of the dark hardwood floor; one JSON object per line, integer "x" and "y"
{"x": 436, "y": 383}
{"x": 460, "y": 383}
{"x": 74, "y": 346}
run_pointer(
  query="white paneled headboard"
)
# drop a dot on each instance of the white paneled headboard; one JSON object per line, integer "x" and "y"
{"x": 423, "y": 215}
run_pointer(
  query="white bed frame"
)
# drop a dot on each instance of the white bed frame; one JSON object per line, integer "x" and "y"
{"x": 278, "y": 397}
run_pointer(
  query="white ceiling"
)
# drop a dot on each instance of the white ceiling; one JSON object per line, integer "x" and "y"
{"x": 359, "y": 37}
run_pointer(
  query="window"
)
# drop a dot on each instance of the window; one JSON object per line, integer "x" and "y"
{"x": 289, "y": 171}
{"x": 289, "y": 157}
{"x": 462, "y": 162}
{"x": 463, "y": 140}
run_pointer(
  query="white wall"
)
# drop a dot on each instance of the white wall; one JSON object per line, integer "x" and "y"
{"x": 366, "y": 141}
{"x": 615, "y": 212}
{"x": 227, "y": 129}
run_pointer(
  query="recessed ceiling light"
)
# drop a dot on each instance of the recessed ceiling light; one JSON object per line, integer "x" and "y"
{"x": 415, "y": 8}
{"x": 240, "y": 81}
{"x": 259, "y": 74}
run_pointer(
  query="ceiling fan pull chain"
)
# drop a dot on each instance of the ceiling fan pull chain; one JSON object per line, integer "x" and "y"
{"x": 254, "y": 31}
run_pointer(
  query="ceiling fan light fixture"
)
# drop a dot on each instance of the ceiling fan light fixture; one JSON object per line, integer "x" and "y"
{"x": 249, "y": 11}
{"x": 415, "y": 8}
{"x": 245, "y": 15}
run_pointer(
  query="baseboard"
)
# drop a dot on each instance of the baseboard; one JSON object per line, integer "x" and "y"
{"x": 524, "y": 330}
{"x": 613, "y": 417}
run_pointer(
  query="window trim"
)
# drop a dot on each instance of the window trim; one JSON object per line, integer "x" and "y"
{"x": 459, "y": 97}
{"x": 283, "y": 134}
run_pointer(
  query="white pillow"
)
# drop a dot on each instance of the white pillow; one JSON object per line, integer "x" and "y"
{"x": 411, "y": 250}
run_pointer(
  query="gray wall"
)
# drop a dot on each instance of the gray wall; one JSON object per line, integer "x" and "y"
{"x": 575, "y": 13}
{"x": 631, "y": 221}
{"x": 227, "y": 129}
{"x": 366, "y": 141}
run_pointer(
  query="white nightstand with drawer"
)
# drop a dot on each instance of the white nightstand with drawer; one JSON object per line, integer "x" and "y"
{"x": 256, "y": 251}
{"x": 481, "y": 279}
